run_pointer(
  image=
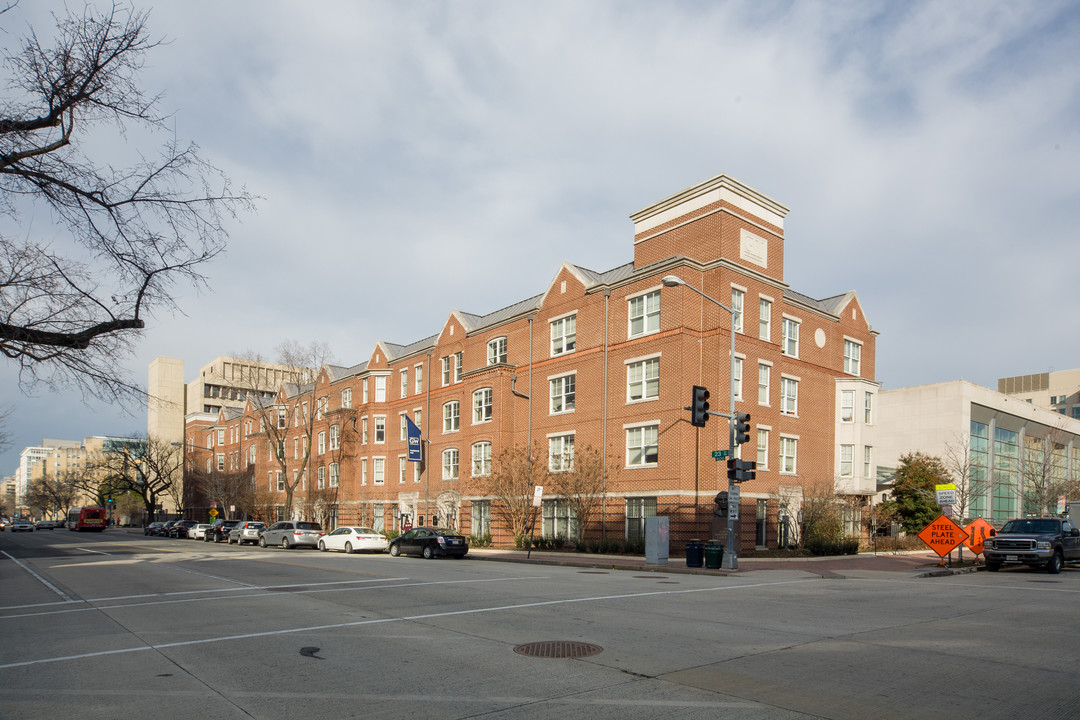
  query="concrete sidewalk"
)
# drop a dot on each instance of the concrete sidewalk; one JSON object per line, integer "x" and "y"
{"x": 911, "y": 564}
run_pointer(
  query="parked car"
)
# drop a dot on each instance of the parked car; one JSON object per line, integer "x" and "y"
{"x": 21, "y": 526}
{"x": 430, "y": 542}
{"x": 47, "y": 524}
{"x": 180, "y": 529}
{"x": 1046, "y": 542}
{"x": 198, "y": 532}
{"x": 246, "y": 532}
{"x": 292, "y": 533}
{"x": 167, "y": 531}
{"x": 219, "y": 530}
{"x": 351, "y": 539}
{"x": 154, "y": 528}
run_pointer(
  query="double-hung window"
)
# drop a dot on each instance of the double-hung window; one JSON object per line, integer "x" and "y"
{"x": 737, "y": 297}
{"x": 380, "y": 388}
{"x": 380, "y": 429}
{"x": 852, "y": 357}
{"x": 563, "y": 335}
{"x": 789, "y": 342}
{"x": 335, "y": 437}
{"x": 643, "y": 379}
{"x": 450, "y": 464}
{"x": 847, "y": 406}
{"x": 563, "y": 393}
{"x": 764, "y": 372}
{"x": 322, "y": 442}
{"x": 481, "y": 401}
{"x": 496, "y": 351}
{"x": 764, "y": 318}
{"x": 418, "y": 379}
{"x": 346, "y": 398}
{"x": 789, "y": 448}
{"x": 847, "y": 460}
{"x": 445, "y": 370}
{"x": 481, "y": 459}
{"x": 404, "y": 387}
{"x": 642, "y": 445}
{"x": 451, "y": 415}
{"x": 763, "y": 448}
{"x": 335, "y": 474}
{"x": 644, "y": 314}
{"x": 789, "y": 396}
{"x": 561, "y": 453}
{"x": 868, "y": 408}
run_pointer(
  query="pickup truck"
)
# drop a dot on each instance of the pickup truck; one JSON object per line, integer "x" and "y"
{"x": 1047, "y": 542}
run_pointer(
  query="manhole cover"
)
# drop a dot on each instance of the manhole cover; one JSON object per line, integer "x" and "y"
{"x": 592, "y": 572}
{"x": 651, "y": 577}
{"x": 558, "y": 649}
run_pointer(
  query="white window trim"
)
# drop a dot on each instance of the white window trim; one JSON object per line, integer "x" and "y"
{"x": 779, "y": 445}
{"x": 631, "y": 298}
{"x": 551, "y": 323}
{"x": 848, "y": 339}
{"x": 635, "y": 361}
{"x": 631, "y": 426}
{"x": 558, "y": 376}
{"x": 742, "y": 313}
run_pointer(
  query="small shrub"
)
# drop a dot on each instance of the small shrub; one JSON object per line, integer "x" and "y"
{"x": 634, "y": 547}
{"x": 480, "y": 540}
{"x": 833, "y": 546}
{"x": 390, "y": 534}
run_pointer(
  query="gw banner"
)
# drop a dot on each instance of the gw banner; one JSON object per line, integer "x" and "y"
{"x": 416, "y": 452}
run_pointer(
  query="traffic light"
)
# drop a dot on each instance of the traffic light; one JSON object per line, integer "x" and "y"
{"x": 699, "y": 407}
{"x": 741, "y": 470}
{"x": 742, "y": 428}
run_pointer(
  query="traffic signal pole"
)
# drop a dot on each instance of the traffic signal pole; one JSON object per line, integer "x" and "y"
{"x": 730, "y": 560}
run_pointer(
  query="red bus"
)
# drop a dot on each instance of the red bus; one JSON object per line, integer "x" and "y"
{"x": 87, "y": 518}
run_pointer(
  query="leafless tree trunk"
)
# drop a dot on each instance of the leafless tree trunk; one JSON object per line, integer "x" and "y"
{"x": 1044, "y": 472}
{"x": 292, "y": 414}
{"x": 125, "y": 235}
{"x": 515, "y": 473}
{"x": 582, "y": 487}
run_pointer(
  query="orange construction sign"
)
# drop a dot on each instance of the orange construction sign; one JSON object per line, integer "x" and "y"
{"x": 978, "y": 531}
{"x": 943, "y": 535}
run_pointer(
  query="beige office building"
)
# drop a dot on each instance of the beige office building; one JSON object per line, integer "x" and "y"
{"x": 223, "y": 382}
{"x": 1058, "y": 391}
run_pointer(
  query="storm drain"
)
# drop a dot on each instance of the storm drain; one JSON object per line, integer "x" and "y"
{"x": 558, "y": 649}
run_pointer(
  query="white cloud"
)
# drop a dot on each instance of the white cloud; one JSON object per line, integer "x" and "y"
{"x": 419, "y": 157}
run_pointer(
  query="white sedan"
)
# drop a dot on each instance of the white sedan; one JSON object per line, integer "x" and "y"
{"x": 21, "y": 526}
{"x": 199, "y": 531}
{"x": 354, "y": 539}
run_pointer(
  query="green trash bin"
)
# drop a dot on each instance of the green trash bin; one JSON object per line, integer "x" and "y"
{"x": 714, "y": 555}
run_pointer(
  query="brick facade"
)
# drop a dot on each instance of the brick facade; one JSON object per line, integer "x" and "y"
{"x": 718, "y": 237}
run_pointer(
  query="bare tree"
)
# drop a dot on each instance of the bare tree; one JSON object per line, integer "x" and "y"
{"x": 224, "y": 489}
{"x": 1044, "y": 472}
{"x": 971, "y": 480}
{"x": 147, "y": 469}
{"x": 52, "y": 494}
{"x": 293, "y": 412}
{"x": 124, "y": 236}
{"x": 582, "y": 486}
{"x": 515, "y": 473}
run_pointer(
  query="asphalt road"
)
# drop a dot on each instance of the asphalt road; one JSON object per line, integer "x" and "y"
{"x": 118, "y": 625}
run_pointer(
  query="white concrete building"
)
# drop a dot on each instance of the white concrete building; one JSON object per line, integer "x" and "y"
{"x": 999, "y": 437}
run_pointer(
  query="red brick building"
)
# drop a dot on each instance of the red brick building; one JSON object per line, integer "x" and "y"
{"x": 598, "y": 359}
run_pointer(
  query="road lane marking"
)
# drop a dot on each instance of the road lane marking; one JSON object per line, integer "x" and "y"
{"x": 42, "y": 580}
{"x": 407, "y": 618}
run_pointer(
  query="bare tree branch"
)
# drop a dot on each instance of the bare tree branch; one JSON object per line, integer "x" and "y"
{"x": 126, "y": 235}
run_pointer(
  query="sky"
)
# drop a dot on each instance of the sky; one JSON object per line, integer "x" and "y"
{"x": 416, "y": 158}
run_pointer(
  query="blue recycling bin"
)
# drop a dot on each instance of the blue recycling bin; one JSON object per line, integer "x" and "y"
{"x": 695, "y": 553}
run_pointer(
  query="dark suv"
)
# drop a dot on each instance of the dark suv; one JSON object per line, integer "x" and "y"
{"x": 219, "y": 530}
{"x": 1047, "y": 542}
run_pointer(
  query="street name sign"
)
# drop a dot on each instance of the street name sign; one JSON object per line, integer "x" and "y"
{"x": 719, "y": 454}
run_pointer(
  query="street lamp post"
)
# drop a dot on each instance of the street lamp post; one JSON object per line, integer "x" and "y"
{"x": 730, "y": 560}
